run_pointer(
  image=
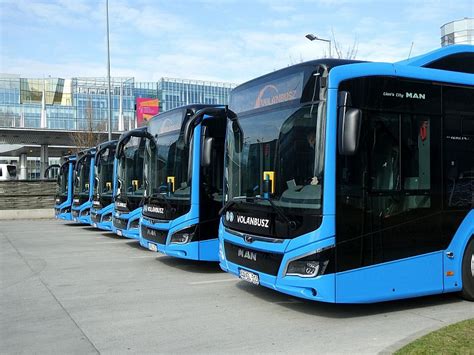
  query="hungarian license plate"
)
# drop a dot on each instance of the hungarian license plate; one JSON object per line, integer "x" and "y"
{"x": 75, "y": 219}
{"x": 95, "y": 225}
{"x": 249, "y": 277}
{"x": 119, "y": 233}
{"x": 152, "y": 247}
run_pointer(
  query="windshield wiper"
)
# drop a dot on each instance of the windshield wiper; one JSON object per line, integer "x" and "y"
{"x": 163, "y": 197}
{"x": 291, "y": 224}
{"x": 231, "y": 203}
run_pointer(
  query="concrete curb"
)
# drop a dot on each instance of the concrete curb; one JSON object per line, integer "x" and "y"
{"x": 27, "y": 214}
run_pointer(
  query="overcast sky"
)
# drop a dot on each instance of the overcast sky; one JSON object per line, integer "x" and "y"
{"x": 224, "y": 40}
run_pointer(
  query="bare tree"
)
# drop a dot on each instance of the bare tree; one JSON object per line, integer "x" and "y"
{"x": 349, "y": 53}
{"x": 91, "y": 134}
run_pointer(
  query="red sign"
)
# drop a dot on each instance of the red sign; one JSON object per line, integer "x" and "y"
{"x": 146, "y": 109}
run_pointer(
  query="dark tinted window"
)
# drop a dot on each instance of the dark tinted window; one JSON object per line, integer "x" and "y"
{"x": 461, "y": 62}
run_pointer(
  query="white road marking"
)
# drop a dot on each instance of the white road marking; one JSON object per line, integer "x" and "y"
{"x": 113, "y": 242}
{"x": 212, "y": 281}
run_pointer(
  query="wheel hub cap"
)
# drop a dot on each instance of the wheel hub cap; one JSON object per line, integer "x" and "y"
{"x": 472, "y": 265}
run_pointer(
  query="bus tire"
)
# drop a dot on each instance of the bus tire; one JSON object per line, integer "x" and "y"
{"x": 468, "y": 272}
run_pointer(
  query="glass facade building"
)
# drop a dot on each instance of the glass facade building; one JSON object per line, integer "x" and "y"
{"x": 180, "y": 92}
{"x": 82, "y": 103}
{"x": 458, "y": 32}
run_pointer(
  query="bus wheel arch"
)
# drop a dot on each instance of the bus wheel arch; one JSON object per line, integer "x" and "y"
{"x": 467, "y": 268}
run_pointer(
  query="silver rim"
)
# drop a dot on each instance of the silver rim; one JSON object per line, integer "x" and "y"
{"x": 472, "y": 265}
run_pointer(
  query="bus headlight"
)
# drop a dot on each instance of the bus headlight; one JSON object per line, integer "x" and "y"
{"x": 134, "y": 224}
{"x": 318, "y": 263}
{"x": 107, "y": 218}
{"x": 184, "y": 236}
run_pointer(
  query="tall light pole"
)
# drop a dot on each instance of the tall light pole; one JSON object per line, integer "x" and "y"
{"x": 312, "y": 37}
{"x": 109, "y": 99}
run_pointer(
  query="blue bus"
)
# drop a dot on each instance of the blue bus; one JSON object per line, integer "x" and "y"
{"x": 184, "y": 161}
{"x": 104, "y": 171}
{"x": 352, "y": 182}
{"x": 128, "y": 199}
{"x": 64, "y": 191}
{"x": 83, "y": 186}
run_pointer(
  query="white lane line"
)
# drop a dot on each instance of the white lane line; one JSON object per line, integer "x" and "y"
{"x": 114, "y": 242}
{"x": 213, "y": 281}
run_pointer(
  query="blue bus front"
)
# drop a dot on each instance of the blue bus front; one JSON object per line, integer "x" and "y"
{"x": 83, "y": 187}
{"x": 128, "y": 199}
{"x": 183, "y": 173}
{"x": 64, "y": 195}
{"x": 104, "y": 171}
{"x": 352, "y": 182}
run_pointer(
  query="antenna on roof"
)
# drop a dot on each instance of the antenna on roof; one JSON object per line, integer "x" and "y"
{"x": 411, "y": 48}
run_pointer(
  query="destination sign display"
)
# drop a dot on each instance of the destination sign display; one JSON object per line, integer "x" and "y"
{"x": 274, "y": 92}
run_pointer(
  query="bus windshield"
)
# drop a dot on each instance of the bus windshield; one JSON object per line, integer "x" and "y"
{"x": 81, "y": 183}
{"x": 63, "y": 179}
{"x": 279, "y": 145}
{"x": 167, "y": 160}
{"x": 104, "y": 172}
{"x": 130, "y": 168}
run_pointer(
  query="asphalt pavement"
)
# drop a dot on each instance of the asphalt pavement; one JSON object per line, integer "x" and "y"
{"x": 66, "y": 288}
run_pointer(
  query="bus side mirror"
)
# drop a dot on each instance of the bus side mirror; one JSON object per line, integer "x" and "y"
{"x": 206, "y": 152}
{"x": 349, "y": 123}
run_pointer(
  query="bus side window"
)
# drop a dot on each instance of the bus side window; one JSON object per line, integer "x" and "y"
{"x": 385, "y": 152}
{"x": 416, "y": 162}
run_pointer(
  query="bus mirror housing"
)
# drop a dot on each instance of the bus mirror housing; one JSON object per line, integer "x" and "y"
{"x": 349, "y": 124}
{"x": 206, "y": 153}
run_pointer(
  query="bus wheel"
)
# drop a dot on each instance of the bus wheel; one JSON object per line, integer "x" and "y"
{"x": 468, "y": 272}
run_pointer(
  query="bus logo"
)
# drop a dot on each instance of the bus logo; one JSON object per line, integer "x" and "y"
{"x": 229, "y": 216}
{"x": 246, "y": 254}
{"x": 414, "y": 95}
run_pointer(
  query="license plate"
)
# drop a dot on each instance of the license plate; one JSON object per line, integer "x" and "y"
{"x": 249, "y": 277}
{"x": 95, "y": 225}
{"x": 152, "y": 247}
{"x": 75, "y": 219}
{"x": 119, "y": 233}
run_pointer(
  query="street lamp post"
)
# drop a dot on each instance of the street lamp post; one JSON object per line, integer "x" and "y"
{"x": 312, "y": 37}
{"x": 109, "y": 99}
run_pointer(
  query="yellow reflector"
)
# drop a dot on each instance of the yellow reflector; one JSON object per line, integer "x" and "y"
{"x": 135, "y": 184}
{"x": 450, "y": 273}
{"x": 170, "y": 179}
{"x": 271, "y": 176}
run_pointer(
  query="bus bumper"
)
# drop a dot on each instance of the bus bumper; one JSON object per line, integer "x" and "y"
{"x": 204, "y": 250}
{"x": 102, "y": 219}
{"x": 66, "y": 216}
{"x": 320, "y": 288}
{"x": 126, "y": 224}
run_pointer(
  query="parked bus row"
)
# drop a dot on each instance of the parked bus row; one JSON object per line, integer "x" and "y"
{"x": 332, "y": 180}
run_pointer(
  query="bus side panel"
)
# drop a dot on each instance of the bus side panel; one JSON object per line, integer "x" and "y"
{"x": 412, "y": 277}
{"x": 457, "y": 246}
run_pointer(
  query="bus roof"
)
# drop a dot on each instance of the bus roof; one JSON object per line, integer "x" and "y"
{"x": 329, "y": 63}
{"x": 192, "y": 107}
{"x": 429, "y": 59}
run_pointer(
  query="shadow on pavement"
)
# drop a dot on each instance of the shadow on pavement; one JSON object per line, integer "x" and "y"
{"x": 331, "y": 310}
{"x": 133, "y": 243}
{"x": 199, "y": 267}
{"x": 111, "y": 235}
{"x": 89, "y": 228}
